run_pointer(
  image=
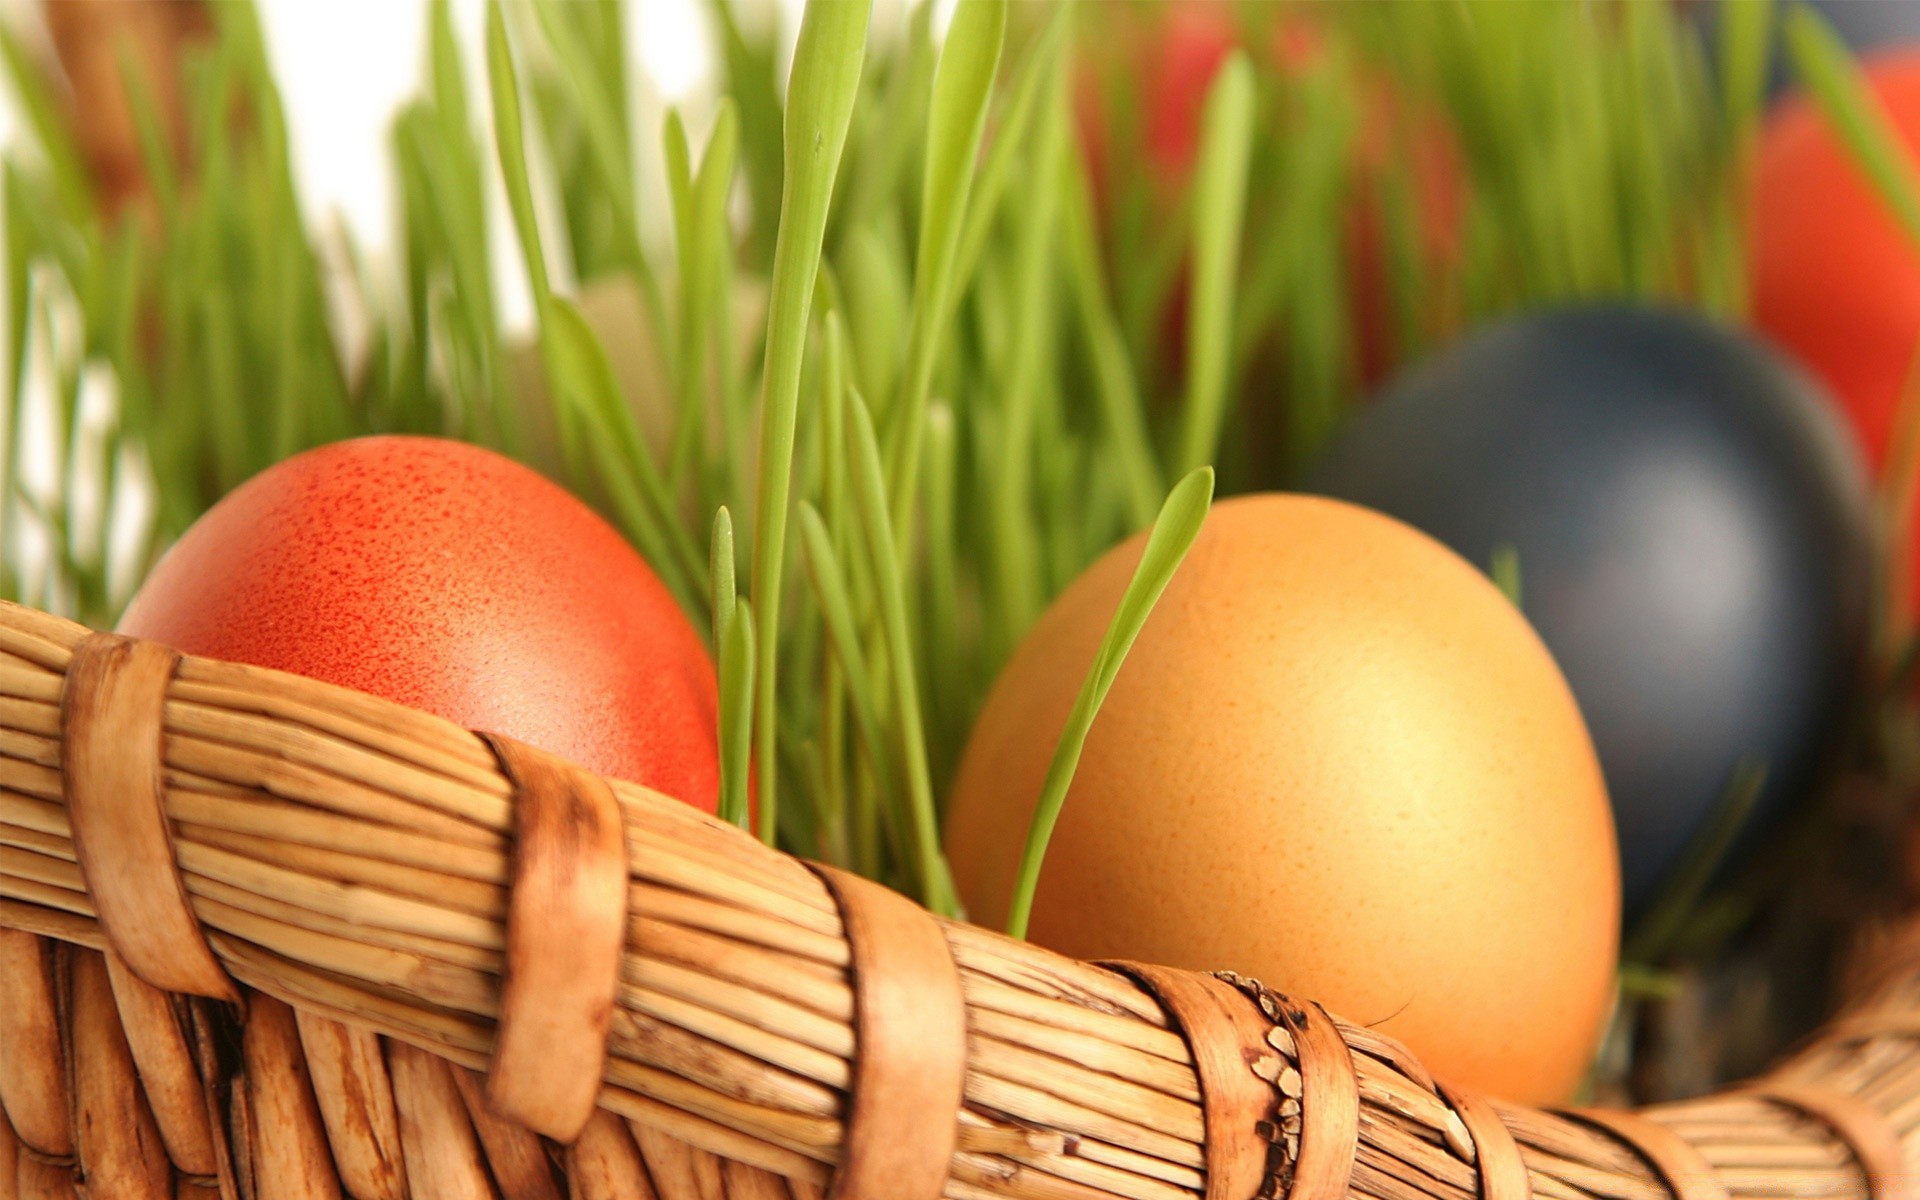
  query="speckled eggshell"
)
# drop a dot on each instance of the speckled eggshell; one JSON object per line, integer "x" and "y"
{"x": 453, "y": 580}
{"x": 1338, "y": 760}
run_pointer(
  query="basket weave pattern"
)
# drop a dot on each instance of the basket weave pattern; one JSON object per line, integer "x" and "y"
{"x": 269, "y": 938}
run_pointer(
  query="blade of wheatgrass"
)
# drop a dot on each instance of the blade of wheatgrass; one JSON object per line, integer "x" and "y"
{"x": 580, "y": 375}
{"x": 415, "y": 231}
{"x": 708, "y": 246}
{"x": 827, "y": 798}
{"x": 854, "y": 830}
{"x": 750, "y": 80}
{"x": 21, "y": 251}
{"x": 1834, "y": 80}
{"x": 722, "y": 588}
{"x": 736, "y": 716}
{"x": 1505, "y": 571}
{"x": 962, "y": 85}
{"x": 870, "y": 497}
{"x": 447, "y": 83}
{"x": 284, "y": 363}
{"x": 156, "y": 155}
{"x": 1297, "y": 271}
{"x": 1894, "y": 496}
{"x": 1010, "y": 134}
{"x": 1220, "y": 197}
{"x": 948, "y": 685}
{"x": 874, "y": 277}
{"x": 684, "y": 368}
{"x": 1173, "y": 533}
{"x": 943, "y": 553}
{"x": 714, "y": 180}
{"x": 832, "y": 593}
{"x": 713, "y": 190}
{"x": 609, "y": 39}
{"x": 453, "y": 155}
{"x": 510, "y": 144}
{"x": 1681, "y": 895}
{"x": 1122, "y": 411}
{"x": 567, "y": 341}
{"x": 240, "y": 22}
{"x": 510, "y": 140}
{"x": 1014, "y": 554}
{"x": 601, "y": 113}
{"x": 897, "y": 119}
{"x": 1745, "y": 48}
{"x": 53, "y": 134}
{"x": 826, "y": 77}
{"x": 221, "y": 374}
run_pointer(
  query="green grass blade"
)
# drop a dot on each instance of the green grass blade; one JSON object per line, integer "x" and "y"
{"x": 874, "y": 276}
{"x": 510, "y": 138}
{"x": 1010, "y": 134}
{"x": 602, "y": 119}
{"x": 156, "y": 153}
{"x": 694, "y": 312}
{"x": 714, "y": 275}
{"x": 1746, "y": 40}
{"x": 581, "y": 378}
{"x": 736, "y": 716}
{"x": 949, "y": 690}
{"x": 45, "y": 116}
{"x": 1015, "y": 568}
{"x": 750, "y": 82}
{"x": 870, "y": 497}
{"x": 722, "y": 588}
{"x": 1122, "y": 409}
{"x": 826, "y": 78}
{"x": 832, "y": 593}
{"x": 1834, "y": 80}
{"x": 962, "y": 85}
{"x": 1505, "y": 570}
{"x": 897, "y": 119}
{"x": 1680, "y": 897}
{"x": 447, "y": 81}
{"x": 1173, "y": 533}
{"x": 1220, "y": 195}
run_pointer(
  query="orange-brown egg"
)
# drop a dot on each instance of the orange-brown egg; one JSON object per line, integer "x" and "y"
{"x": 1338, "y": 760}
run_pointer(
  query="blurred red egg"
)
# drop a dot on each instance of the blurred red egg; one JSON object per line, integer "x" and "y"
{"x": 1170, "y": 62}
{"x": 1835, "y": 280}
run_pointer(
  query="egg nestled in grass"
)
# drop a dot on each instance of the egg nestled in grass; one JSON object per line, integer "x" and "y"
{"x": 1690, "y": 524}
{"x": 1337, "y": 759}
{"x": 453, "y": 580}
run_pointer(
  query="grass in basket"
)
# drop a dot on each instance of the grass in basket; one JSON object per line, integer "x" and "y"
{"x": 964, "y": 392}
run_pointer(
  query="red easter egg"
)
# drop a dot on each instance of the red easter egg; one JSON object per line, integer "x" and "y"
{"x": 1835, "y": 280}
{"x": 453, "y": 580}
{"x": 1175, "y": 57}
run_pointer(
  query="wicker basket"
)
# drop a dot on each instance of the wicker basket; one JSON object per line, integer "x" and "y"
{"x": 271, "y": 938}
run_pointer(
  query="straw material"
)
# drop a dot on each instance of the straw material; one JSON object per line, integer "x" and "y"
{"x": 356, "y": 869}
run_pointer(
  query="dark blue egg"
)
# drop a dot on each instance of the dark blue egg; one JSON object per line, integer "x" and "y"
{"x": 1691, "y": 527}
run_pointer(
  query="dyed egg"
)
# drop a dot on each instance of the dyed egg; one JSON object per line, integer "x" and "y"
{"x": 1169, "y": 60}
{"x": 1691, "y": 531}
{"x": 1337, "y": 760}
{"x": 445, "y": 577}
{"x": 1835, "y": 281}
